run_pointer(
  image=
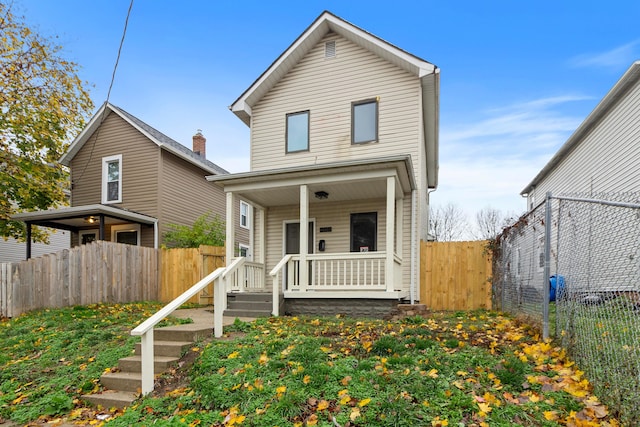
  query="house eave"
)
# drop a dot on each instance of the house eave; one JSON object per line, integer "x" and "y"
{"x": 49, "y": 216}
{"x": 326, "y": 168}
{"x": 325, "y": 23}
{"x": 97, "y": 120}
{"x": 619, "y": 90}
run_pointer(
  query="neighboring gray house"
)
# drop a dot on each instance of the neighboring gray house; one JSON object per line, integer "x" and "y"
{"x": 344, "y": 138}
{"x": 603, "y": 154}
{"x": 129, "y": 181}
{"x": 13, "y": 251}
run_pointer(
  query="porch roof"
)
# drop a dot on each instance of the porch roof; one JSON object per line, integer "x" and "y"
{"x": 75, "y": 218}
{"x": 345, "y": 180}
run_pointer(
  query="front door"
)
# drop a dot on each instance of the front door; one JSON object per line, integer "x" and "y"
{"x": 292, "y": 246}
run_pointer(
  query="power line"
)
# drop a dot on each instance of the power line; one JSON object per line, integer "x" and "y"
{"x": 113, "y": 77}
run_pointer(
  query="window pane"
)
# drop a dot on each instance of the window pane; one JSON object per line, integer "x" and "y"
{"x": 364, "y": 227}
{"x": 88, "y": 238}
{"x": 298, "y": 132}
{"x": 128, "y": 237}
{"x": 112, "y": 191}
{"x": 365, "y": 122}
{"x": 113, "y": 171}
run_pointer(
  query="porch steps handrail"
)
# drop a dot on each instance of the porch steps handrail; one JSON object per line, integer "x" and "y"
{"x": 275, "y": 273}
{"x": 145, "y": 329}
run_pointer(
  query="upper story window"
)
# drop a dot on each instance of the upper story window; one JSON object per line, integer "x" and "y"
{"x": 298, "y": 131}
{"x": 364, "y": 121}
{"x": 112, "y": 179}
{"x": 244, "y": 214}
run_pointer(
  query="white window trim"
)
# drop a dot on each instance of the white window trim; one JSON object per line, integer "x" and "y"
{"x": 248, "y": 224}
{"x": 125, "y": 227}
{"x": 247, "y": 248}
{"x": 105, "y": 162}
{"x": 90, "y": 231}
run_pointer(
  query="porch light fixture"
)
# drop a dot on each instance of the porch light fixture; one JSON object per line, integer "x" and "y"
{"x": 321, "y": 195}
{"x": 91, "y": 219}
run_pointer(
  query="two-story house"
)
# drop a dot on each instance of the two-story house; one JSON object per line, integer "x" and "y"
{"x": 344, "y": 139}
{"x": 129, "y": 182}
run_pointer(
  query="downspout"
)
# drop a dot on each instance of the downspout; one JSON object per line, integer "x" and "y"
{"x": 155, "y": 234}
{"x": 414, "y": 252}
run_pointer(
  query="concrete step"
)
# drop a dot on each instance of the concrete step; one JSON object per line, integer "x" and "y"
{"x": 122, "y": 381}
{"x": 247, "y": 313}
{"x": 250, "y": 305}
{"x": 111, "y": 398}
{"x": 134, "y": 363}
{"x": 167, "y": 348}
{"x": 250, "y": 296}
{"x": 188, "y": 332}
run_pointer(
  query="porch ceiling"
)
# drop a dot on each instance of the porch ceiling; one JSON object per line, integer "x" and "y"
{"x": 342, "y": 181}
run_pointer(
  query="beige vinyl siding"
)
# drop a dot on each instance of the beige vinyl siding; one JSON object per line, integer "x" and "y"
{"x": 327, "y": 88}
{"x": 606, "y": 160}
{"x": 337, "y": 216}
{"x": 140, "y": 158}
{"x": 186, "y": 194}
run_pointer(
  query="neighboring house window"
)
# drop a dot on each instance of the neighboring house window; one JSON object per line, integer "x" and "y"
{"x": 87, "y": 236}
{"x": 298, "y": 131}
{"x": 126, "y": 233}
{"x": 243, "y": 251}
{"x": 112, "y": 179}
{"x": 364, "y": 230}
{"x": 244, "y": 215}
{"x": 364, "y": 121}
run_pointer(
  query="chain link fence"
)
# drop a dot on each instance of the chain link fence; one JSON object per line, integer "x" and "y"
{"x": 591, "y": 301}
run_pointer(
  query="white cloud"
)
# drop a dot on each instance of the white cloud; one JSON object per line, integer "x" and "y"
{"x": 620, "y": 56}
{"x": 489, "y": 160}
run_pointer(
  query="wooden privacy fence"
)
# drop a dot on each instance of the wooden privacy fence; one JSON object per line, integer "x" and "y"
{"x": 183, "y": 267}
{"x": 455, "y": 275}
{"x": 87, "y": 274}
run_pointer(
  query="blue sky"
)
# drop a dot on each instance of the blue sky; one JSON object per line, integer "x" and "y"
{"x": 517, "y": 78}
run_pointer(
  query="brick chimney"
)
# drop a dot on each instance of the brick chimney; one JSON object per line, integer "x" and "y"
{"x": 199, "y": 143}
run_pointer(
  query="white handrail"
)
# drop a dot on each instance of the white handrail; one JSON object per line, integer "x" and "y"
{"x": 280, "y": 265}
{"x": 275, "y": 273}
{"x": 145, "y": 329}
{"x": 235, "y": 264}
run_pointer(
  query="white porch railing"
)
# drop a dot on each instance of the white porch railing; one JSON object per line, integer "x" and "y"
{"x": 350, "y": 271}
{"x": 276, "y": 274}
{"x": 248, "y": 276}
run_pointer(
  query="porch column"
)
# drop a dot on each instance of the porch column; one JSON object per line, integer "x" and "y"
{"x": 28, "y": 240}
{"x": 399, "y": 226}
{"x": 391, "y": 217}
{"x": 304, "y": 237}
{"x": 262, "y": 256}
{"x": 229, "y": 241}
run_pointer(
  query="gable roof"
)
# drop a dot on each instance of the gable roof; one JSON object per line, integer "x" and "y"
{"x": 610, "y": 100}
{"x": 327, "y": 22}
{"x": 157, "y": 137}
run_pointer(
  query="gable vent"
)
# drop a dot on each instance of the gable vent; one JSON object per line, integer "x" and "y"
{"x": 330, "y": 49}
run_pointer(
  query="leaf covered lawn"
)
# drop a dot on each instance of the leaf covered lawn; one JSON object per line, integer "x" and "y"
{"x": 462, "y": 369}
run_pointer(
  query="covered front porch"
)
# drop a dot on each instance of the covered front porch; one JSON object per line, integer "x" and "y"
{"x": 359, "y": 239}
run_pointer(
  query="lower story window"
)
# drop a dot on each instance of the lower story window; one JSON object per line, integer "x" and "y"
{"x": 126, "y": 233}
{"x": 364, "y": 231}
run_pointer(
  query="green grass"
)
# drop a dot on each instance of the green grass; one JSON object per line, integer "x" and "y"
{"x": 475, "y": 368}
{"x": 51, "y": 357}
{"x": 478, "y": 368}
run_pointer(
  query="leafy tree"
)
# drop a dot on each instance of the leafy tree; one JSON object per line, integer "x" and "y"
{"x": 447, "y": 223}
{"x": 204, "y": 231}
{"x": 42, "y": 105}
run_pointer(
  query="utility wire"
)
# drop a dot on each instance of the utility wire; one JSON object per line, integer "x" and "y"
{"x": 104, "y": 111}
